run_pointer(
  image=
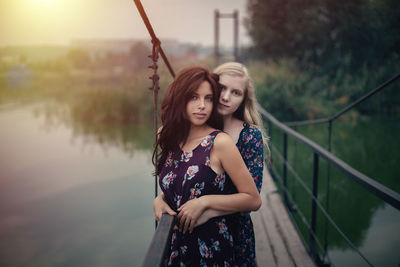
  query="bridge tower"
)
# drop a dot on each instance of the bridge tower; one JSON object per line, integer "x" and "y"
{"x": 235, "y": 17}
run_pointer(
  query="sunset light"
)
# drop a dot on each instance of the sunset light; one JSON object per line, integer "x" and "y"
{"x": 41, "y": 21}
{"x": 37, "y": 22}
{"x": 46, "y": 2}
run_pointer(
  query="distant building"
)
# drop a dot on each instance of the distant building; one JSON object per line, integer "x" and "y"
{"x": 172, "y": 47}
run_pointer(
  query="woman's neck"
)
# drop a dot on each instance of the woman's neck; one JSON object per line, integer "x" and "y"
{"x": 233, "y": 127}
{"x": 198, "y": 131}
{"x": 231, "y": 122}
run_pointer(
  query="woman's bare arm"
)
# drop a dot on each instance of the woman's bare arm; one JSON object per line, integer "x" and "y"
{"x": 247, "y": 198}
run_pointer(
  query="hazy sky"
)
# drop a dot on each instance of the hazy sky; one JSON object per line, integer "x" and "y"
{"x": 59, "y": 21}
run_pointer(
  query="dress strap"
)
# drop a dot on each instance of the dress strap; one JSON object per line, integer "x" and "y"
{"x": 208, "y": 141}
{"x": 215, "y": 132}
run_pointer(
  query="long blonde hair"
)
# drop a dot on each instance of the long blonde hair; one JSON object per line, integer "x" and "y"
{"x": 247, "y": 111}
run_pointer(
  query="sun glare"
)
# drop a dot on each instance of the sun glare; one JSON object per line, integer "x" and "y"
{"x": 46, "y": 11}
{"x": 40, "y": 21}
{"x": 45, "y": 2}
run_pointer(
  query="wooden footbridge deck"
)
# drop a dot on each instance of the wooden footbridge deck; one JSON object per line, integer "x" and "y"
{"x": 277, "y": 241}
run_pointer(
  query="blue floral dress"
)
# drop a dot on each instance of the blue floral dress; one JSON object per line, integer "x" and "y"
{"x": 187, "y": 175}
{"x": 251, "y": 147}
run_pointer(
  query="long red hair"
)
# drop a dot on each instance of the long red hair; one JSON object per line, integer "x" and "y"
{"x": 175, "y": 122}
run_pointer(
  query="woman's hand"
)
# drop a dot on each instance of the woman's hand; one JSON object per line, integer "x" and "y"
{"x": 160, "y": 207}
{"x": 189, "y": 213}
{"x": 209, "y": 214}
{"x": 205, "y": 216}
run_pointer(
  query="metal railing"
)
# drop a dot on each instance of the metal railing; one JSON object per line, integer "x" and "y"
{"x": 377, "y": 189}
{"x": 330, "y": 121}
{"x": 159, "y": 244}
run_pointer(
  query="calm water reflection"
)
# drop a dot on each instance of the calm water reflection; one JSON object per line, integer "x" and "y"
{"x": 69, "y": 197}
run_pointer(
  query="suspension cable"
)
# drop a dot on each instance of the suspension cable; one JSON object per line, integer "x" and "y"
{"x": 156, "y": 50}
{"x": 154, "y": 38}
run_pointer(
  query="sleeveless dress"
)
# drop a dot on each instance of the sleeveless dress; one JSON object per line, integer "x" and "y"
{"x": 187, "y": 175}
{"x": 251, "y": 147}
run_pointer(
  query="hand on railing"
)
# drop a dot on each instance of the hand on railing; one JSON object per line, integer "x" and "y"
{"x": 161, "y": 207}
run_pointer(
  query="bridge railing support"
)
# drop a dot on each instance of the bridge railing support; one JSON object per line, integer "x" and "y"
{"x": 313, "y": 230}
{"x": 382, "y": 192}
{"x": 330, "y": 121}
{"x": 158, "y": 248}
{"x": 284, "y": 168}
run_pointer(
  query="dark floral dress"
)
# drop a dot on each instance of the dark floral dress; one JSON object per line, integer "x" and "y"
{"x": 187, "y": 175}
{"x": 251, "y": 147}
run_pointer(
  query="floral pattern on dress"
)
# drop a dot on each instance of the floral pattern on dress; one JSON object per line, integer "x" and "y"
{"x": 173, "y": 255}
{"x": 168, "y": 179}
{"x": 176, "y": 163}
{"x": 251, "y": 147}
{"x": 209, "y": 244}
{"x": 208, "y": 251}
{"x": 223, "y": 230}
{"x": 220, "y": 181}
{"x": 190, "y": 173}
{"x": 208, "y": 162}
{"x": 196, "y": 190}
{"x": 183, "y": 249}
{"x": 207, "y": 141}
{"x": 186, "y": 156}
{"x": 177, "y": 199}
{"x": 168, "y": 161}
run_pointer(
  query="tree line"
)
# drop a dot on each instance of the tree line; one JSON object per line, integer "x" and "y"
{"x": 347, "y": 47}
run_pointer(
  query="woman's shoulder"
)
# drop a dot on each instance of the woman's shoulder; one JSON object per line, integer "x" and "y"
{"x": 213, "y": 131}
{"x": 222, "y": 140}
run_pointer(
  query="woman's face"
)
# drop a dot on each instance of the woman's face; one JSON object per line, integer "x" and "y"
{"x": 200, "y": 105}
{"x": 232, "y": 94}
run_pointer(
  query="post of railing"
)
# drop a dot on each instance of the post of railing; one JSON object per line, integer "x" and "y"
{"x": 329, "y": 135}
{"x": 160, "y": 243}
{"x": 328, "y": 183}
{"x": 216, "y": 37}
{"x": 284, "y": 171}
{"x": 236, "y": 35}
{"x": 314, "y": 253}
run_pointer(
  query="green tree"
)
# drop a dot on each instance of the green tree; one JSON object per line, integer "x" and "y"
{"x": 320, "y": 30}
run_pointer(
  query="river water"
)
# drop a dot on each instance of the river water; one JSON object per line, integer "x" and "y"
{"x": 68, "y": 199}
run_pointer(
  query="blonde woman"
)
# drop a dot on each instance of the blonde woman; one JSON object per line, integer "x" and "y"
{"x": 242, "y": 122}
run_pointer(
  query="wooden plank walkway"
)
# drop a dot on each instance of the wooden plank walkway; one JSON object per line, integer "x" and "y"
{"x": 277, "y": 241}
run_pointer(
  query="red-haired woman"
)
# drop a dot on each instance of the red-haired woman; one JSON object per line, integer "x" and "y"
{"x": 191, "y": 166}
